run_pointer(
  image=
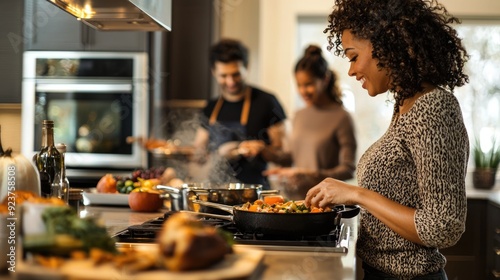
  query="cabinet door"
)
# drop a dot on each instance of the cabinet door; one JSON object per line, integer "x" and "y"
{"x": 189, "y": 43}
{"x": 493, "y": 239}
{"x": 49, "y": 28}
{"x": 466, "y": 259}
{"x": 11, "y": 51}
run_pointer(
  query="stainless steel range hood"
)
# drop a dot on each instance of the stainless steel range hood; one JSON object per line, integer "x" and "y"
{"x": 120, "y": 15}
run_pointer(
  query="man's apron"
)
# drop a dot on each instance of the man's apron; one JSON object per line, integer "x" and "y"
{"x": 245, "y": 170}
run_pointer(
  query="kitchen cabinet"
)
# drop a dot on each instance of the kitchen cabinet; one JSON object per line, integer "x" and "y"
{"x": 11, "y": 51}
{"x": 194, "y": 24}
{"x": 493, "y": 241}
{"x": 49, "y": 28}
{"x": 467, "y": 258}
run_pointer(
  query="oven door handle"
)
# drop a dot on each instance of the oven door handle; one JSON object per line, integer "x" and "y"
{"x": 84, "y": 87}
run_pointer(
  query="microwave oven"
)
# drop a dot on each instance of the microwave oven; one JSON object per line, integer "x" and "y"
{"x": 96, "y": 100}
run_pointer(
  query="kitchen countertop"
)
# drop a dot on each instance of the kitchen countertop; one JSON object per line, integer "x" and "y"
{"x": 491, "y": 194}
{"x": 275, "y": 265}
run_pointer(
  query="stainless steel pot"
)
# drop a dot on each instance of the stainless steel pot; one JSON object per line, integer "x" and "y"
{"x": 181, "y": 198}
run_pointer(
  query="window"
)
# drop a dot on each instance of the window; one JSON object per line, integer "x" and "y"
{"x": 480, "y": 98}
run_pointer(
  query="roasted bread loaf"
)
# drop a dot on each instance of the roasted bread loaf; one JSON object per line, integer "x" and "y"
{"x": 187, "y": 244}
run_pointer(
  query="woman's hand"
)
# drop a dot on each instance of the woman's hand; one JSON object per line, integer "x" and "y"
{"x": 398, "y": 217}
{"x": 331, "y": 192}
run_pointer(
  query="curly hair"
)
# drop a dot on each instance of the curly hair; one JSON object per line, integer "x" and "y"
{"x": 316, "y": 65}
{"x": 412, "y": 39}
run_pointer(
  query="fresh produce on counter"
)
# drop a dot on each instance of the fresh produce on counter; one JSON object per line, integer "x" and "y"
{"x": 145, "y": 201}
{"x": 107, "y": 184}
{"x": 140, "y": 179}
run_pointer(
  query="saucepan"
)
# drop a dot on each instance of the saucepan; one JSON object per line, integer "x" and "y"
{"x": 224, "y": 193}
{"x": 283, "y": 224}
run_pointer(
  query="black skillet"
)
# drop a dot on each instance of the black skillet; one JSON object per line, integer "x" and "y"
{"x": 288, "y": 224}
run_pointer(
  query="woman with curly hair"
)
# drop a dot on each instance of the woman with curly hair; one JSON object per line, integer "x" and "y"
{"x": 412, "y": 180}
{"x": 322, "y": 141}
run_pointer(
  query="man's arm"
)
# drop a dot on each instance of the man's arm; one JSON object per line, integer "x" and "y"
{"x": 273, "y": 151}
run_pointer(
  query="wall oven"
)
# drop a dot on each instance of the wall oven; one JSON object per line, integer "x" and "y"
{"x": 96, "y": 100}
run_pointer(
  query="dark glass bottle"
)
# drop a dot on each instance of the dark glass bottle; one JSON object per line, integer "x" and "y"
{"x": 48, "y": 160}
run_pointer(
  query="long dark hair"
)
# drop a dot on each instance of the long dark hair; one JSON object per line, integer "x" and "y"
{"x": 316, "y": 65}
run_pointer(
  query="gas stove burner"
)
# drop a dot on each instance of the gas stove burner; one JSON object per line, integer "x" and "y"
{"x": 146, "y": 233}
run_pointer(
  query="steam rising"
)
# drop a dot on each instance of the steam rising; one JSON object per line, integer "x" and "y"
{"x": 179, "y": 126}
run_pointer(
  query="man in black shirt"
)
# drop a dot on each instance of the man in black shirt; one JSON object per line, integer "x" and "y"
{"x": 244, "y": 121}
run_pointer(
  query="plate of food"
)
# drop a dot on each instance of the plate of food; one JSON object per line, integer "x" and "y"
{"x": 186, "y": 249}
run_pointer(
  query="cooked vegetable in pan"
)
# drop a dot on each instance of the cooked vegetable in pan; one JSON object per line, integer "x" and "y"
{"x": 281, "y": 207}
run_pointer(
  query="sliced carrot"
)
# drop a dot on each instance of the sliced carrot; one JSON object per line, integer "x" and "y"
{"x": 273, "y": 199}
{"x": 254, "y": 208}
{"x": 316, "y": 210}
{"x": 258, "y": 202}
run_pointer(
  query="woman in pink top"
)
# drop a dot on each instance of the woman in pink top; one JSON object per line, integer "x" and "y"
{"x": 322, "y": 142}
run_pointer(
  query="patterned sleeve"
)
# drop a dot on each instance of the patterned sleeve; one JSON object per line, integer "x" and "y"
{"x": 440, "y": 149}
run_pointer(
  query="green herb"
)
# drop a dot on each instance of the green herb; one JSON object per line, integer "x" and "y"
{"x": 489, "y": 159}
{"x": 64, "y": 220}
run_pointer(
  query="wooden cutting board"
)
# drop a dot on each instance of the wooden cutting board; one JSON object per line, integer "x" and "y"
{"x": 241, "y": 264}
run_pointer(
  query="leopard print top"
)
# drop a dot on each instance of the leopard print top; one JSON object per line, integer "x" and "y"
{"x": 420, "y": 162}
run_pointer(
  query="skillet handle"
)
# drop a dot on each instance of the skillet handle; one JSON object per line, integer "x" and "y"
{"x": 208, "y": 215}
{"x": 348, "y": 211}
{"x": 222, "y": 207}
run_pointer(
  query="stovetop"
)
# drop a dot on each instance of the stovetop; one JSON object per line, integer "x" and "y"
{"x": 334, "y": 242}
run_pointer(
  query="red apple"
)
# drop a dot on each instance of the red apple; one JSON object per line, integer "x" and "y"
{"x": 144, "y": 201}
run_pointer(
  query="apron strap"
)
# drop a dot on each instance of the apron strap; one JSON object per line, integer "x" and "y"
{"x": 245, "y": 111}
{"x": 215, "y": 112}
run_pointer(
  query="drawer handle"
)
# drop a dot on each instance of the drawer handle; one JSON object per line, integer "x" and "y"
{"x": 496, "y": 274}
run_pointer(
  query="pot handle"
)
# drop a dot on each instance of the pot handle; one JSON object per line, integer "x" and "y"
{"x": 208, "y": 215}
{"x": 168, "y": 189}
{"x": 269, "y": 192}
{"x": 348, "y": 211}
{"x": 222, "y": 207}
